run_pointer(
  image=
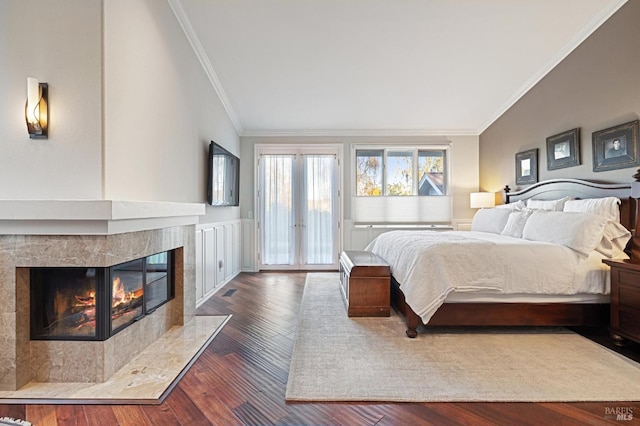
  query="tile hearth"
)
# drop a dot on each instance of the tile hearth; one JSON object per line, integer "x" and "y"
{"x": 144, "y": 380}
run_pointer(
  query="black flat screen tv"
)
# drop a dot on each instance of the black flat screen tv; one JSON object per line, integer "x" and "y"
{"x": 223, "y": 177}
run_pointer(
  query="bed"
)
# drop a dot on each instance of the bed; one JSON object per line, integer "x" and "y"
{"x": 478, "y": 278}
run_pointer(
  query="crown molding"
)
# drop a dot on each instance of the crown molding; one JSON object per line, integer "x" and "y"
{"x": 586, "y": 31}
{"x": 359, "y": 133}
{"x": 183, "y": 20}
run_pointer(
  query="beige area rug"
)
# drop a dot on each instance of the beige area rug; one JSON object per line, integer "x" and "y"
{"x": 146, "y": 379}
{"x": 337, "y": 358}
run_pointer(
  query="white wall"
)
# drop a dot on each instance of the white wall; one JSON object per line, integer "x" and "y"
{"x": 161, "y": 111}
{"x": 465, "y": 174}
{"x": 464, "y": 166}
{"x": 58, "y": 42}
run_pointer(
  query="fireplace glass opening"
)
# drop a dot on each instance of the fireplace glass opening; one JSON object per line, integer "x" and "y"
{"x": 126, "y": 294}
{"x": 96, "y": 303}
{"x": 157, "y": 289}
{"x": 70, "y": 309}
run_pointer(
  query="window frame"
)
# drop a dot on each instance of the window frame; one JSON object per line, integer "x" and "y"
{"x": 415, "y": 149}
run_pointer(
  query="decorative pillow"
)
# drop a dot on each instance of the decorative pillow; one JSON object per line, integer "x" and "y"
{"x": 614, "y": 240}
{"x": 518, "y": 205}
{"x": 607, "y": 207}
{"x": 516, "y": 222}
{"x": 490, "y": 220}
{"x": 553, "y": 205}
{"x": 579, "y": 231}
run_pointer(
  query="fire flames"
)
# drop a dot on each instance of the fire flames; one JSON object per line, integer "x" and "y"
{"x": 120, "y": 296}
{"x": 117, "y": 292}
{"x": 78, "y": 312}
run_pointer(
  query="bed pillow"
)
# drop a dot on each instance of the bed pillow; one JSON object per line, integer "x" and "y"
{"x": 579, "y": 231}
{"x": 518, "y": 205}
{"x": 516, "y": 222}
{"x": 490, "y": 220}
{"x": 608, "y": 207}
{"x": 553, "y": 205}
{"x": 614, "y": 240}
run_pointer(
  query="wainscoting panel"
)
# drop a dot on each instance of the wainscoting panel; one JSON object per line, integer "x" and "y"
{"x": 218, "y": 252}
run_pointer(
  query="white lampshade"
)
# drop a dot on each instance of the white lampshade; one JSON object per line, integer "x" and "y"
{"x": 635, "y": 189}
{"x": 479, "y": 200}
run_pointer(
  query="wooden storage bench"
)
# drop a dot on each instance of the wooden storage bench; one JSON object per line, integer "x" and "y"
{"x": 365, "y": 284}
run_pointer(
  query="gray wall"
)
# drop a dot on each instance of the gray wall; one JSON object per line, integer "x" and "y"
{"x": 597, "y": 86}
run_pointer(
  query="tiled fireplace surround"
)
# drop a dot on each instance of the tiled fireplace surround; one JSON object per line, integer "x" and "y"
{"x": 22, "y": 360}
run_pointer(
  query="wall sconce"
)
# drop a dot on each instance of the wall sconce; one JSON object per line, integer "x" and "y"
{"x": 480, "y": 200}
{"x": 36, "y": 110}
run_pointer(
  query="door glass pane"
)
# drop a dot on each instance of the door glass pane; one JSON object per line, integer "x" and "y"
{"x": 399, "y": 169}
{"x": 318, "y": 210}
{"x": 431, "y": 176}
{"x": 369, "y": 172}
{"x": 278, "y": 233}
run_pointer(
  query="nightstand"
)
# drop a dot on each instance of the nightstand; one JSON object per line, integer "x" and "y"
{"x": 625, "y": 300}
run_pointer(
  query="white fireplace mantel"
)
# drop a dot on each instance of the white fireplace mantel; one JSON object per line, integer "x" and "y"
{"x": 93, "y": 217}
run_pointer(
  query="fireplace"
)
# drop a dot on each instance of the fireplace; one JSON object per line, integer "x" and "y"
{"x": 81, "y": 303}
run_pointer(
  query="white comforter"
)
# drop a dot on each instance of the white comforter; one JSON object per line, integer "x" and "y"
{"x": 430, "y": 264}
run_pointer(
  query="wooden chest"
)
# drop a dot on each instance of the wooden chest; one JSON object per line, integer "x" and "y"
{"x": 365, "y": 284}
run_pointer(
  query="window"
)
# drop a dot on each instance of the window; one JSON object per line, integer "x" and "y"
{"x": 369, "y": 172}
{"x": 401, "y": 172}
{"x": 431, "y": 172}
{"x": 399, "y": 168}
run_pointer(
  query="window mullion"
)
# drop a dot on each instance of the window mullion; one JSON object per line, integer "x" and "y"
{"x": 384, "y": 173}
{"x": 414, "y": 169}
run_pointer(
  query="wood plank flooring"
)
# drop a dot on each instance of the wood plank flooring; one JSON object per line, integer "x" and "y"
{"x": 240, "y": 379}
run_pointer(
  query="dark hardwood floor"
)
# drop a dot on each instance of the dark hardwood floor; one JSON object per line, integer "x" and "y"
{"x": 240, "y": 379}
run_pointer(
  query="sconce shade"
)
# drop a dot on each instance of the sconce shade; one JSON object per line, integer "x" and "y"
{"x": 479, "y": 200}
{"x": 36, "y": 109}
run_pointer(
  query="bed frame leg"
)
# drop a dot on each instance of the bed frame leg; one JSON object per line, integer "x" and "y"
{"x": 413, "y": 322}
{"x": 411, "y": 333}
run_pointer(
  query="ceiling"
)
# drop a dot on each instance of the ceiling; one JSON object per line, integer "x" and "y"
{"x": 380, "y": 66}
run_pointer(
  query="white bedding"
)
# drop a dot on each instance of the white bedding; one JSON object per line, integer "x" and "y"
{"x": 430, "y": 264}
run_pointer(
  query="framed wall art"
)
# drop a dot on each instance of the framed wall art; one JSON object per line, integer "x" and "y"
{"x": 616, "y": 147}
{"x": 527, "y": 167}
{"x": 563, "y": 150}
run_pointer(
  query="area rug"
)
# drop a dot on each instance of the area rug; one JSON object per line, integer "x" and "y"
{"x": 337, "y": 358}
{"x": 147, "y": 379}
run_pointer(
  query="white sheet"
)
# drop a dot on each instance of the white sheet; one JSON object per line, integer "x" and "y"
{"x": 467, "y": 297}
{"x": 430, "y": 264}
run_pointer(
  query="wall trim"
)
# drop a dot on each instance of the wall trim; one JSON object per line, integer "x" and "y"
{"x": 360, "y": 132}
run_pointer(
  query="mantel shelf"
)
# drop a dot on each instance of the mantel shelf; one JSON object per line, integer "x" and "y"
{"x": 93, "y": 217}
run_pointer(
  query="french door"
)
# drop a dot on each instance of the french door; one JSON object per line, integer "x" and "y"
{"x": 298, "y": 222}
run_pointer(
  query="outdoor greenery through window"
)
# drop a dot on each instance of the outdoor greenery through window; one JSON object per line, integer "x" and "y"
{"x": 400, "y": 172}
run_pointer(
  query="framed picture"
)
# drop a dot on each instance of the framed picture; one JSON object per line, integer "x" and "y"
{"x": 616, "y": 147}
{"x": 527, "y": 167}
{"x": 563, "y": 150}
